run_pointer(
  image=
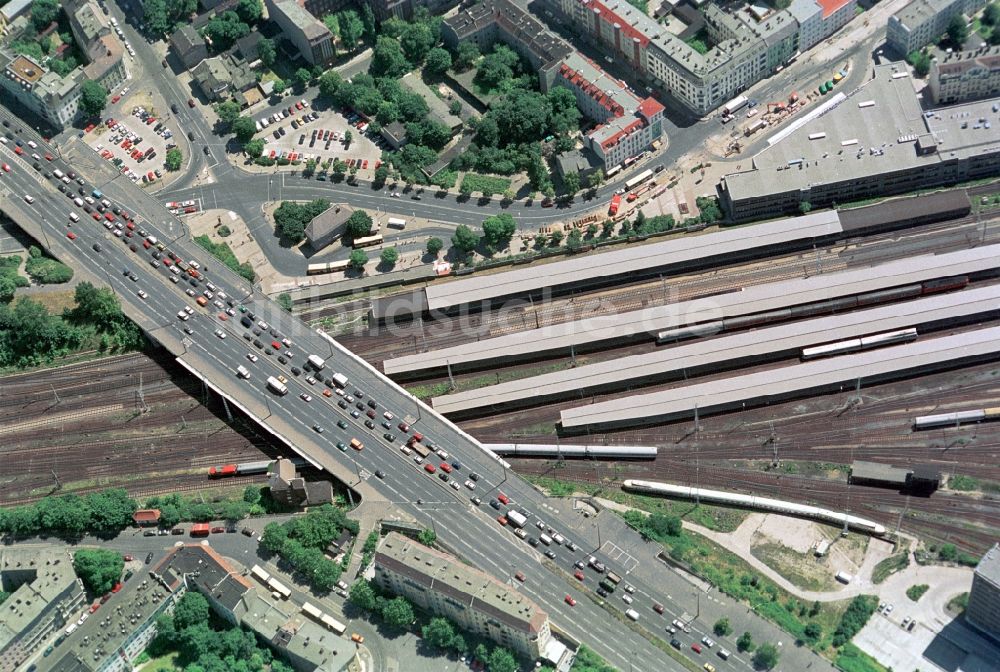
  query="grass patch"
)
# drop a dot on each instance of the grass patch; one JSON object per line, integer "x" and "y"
{"x": 963, "y": 483}
{"x": 223, "y": 253}
{"x": 9, "y": 269}
{"x": 889, "y": 566}
{"x": 793, "y": 566}
{"x": 641, "y": 5}
{"x": 425, "y": 392}
{"x": 852, "y": 659}
{"x": 166, "y": 663}
{"x": 485, "y": 184}
{"x": 959, "y": 603}
{"x": 917, "y": 591}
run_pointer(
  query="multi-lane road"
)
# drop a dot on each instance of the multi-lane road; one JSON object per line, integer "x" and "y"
{"x": 470, "y": 530}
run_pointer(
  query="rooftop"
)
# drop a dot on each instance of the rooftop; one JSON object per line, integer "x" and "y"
{"x": 15, "y": 8}
{"x": 831, "y": 6}
{"x": 310, "y": 26}
{"x": 989, "y": 566}
{"x": 876, "y": 471}
{"x": 877, "y": 128}
{"x": 446, "y": 574}
{"x": 26, "y": 69}
{"x": 918, "y": 11}
{"x": 958, "y": 63}
{"x": 107, "y": 628}
{"x": 43, "y": 577}
{"x": 328, "y": 221}
{"x": 438, "y": 108}
{"x": 206, "y": 569}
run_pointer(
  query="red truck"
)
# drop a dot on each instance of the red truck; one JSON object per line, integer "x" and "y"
{"x": 200, "y": 530}
{"x": 616, "y": 200}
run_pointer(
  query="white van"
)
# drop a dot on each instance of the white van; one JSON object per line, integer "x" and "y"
{"x": 28, "y": 199}
{"x": 633, "y": 614}
{"x": 258, "y": 126}
{"x": 58, "y": 173}
{"x": 78, "y": 201}
{"x": 546, "y": 539}
{"x": 75, "y": 217}
{"x": 242, "y": 372}
{"x": 558, "y": 538}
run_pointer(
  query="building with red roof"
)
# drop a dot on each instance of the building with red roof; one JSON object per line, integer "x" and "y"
{"x": 146, "y": 517}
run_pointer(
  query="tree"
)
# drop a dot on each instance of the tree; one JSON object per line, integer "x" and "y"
{"x": 766, "y": 657}
{"x": 571, "y": 181}
{"x": 921, "y": 62}
{"x": 434, "y": 245}
{"x": 498, "y": 230}
{"x": 991, "y": 15}
{"x": 464, "y": 240}
{"x": 389, "y": 257}
{"x": 228, "y": 111}
{"x": 285, "y": 301}
{"x": 994, "y": 38}
{"x": 466, "y": 55}
{"x": 267, "y": 52}
{"x": 249, "y": 11}
{"x": 303, "y": 76}
{"x": 664, "y": 525}
{"x": 348, "y": 137}
{"x": 362, "y": 596}
{"x": 709, "y": 208}
{"x": 388, "y": 59}
{"x": 427, "y": 536}
{"x": 224, "y": 29}
{"x": 273, "y": 537}
{"x": 254, "y": 148}
{"x": 191, "y": 609}
{"x": 812, "y": 632}
{"x": 98, "y": 568}
{"x": 438, "y": 633}
{"x": 501, "y": 660}
{"x": 44, "y": 12}
{"x": 398, "y": 612}
{"x": 958, "y": 30}
{"x": 93, "y": 98}
{"x": 110, "y": 511}
{"x": 722, "y": 627}
{"x": 352, "y": 28}
{"x": 455, "y": 107}
{"x": 174, "y": 159}
{"x": 244, "y": 129}
{"x": 330, "y": 84}
{"x": 745, "y": 642}
{"x": 359, "y": 224}
{"x": 575, "y": 239}
{"x": 438, "y": 62}
{"x": 416, "y": 40}
{"x": 279, "y": 86}
{"x": 805, "y": 207}
{"x": 381, "y": 175}
{"x": 7, "y": 288}
{"x": 358, "y": 259}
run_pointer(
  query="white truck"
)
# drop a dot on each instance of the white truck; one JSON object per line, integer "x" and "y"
{"x": 396, "y": 223}
{"x": 340, "y": 379}
{"x": 317, "y": 363}
{"x": 276, "y": 386}
{"x": 516, "y": 519}
{"x": 733, "y": 105}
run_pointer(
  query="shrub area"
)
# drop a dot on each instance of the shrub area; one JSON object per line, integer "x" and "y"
{"x": 222, "y": 252}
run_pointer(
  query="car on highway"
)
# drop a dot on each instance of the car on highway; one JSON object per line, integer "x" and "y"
{"x": 305, "y": 397}
{"x": 578, "y": 575}
{"x": 430, "y": 468}
{"x": 709, "y": 667}
{"x": 369, "y": 424}
{"x": 252, "y": 357}
{"x": 550, "y": 554}
{"x": 658, "y": 608}
{"x": 502, "y": 520}
{"x": 519, "y": 576}
{"x": 696, "y": 647}
{"x": 707, "y": 641}
{"x": 220, "y": 333}
{"x": 391, "y": 438}
{"x": 676, "y": 643}
{"x": 476, "y": 500}
{"x": 379, "y": 473}
{"x": 342, "y": 424}
{"x": 570, "y": 601}
{"x": 503, "y": 498}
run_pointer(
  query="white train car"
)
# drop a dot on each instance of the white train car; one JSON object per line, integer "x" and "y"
{"x": 567, "y": 450}
{"x": 754, "y": 502}
{"x": 946, "y": 419}
{"x": 863, "y": 343}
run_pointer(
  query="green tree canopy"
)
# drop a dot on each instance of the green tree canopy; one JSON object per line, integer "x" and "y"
{"x": 388, "y": 59}
{"x": 291, "y": 217}
{"x": 359, "y": 224}
{"x": 228, "y": 111}
{"x": 303, "y": 76}
{"x": 352, "y": 29}
{"x": 44, "y": 12}
{"x": 438, "y": 633}
{"x": 358, "y": 259}
{"x": 464, "y": 240}
{"x": 174, "y": 159}
{"x": 398, "y": 612}
{"x": 722, "y": 627}
{"x": 273, "y": 537}
{"x": 416, "y": 40}
{"x": 254, "y": 148}
{"x": 501, "y": 660}
{"x": 498, "y": 230}
{"x": 98, "y": 568}
{"x": 434, "y": 245}
{"x": 267, "y": 51}
{"x": 958, "y": 30}
{"x": 224, "y": 29}
{"x": 438, "y": 61}
{"x": 766, "y": 657}
{"x": 244, "y": 129}
{"x": 191, "y": 609}
{"x": 389, "y": 257}
{"x": 745, "y": 642}
{"x": 572, "y": 182}
{"x": 362, "y": 595}
{"x": 991, "y": 14}
{"x": 249, "y": 11}
{"x": 93, "y": 97}
{"x": 466, "y": 55}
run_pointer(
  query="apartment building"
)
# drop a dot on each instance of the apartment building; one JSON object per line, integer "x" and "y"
{"x": 983, "y": 611}
{"x": 473, "y": 600}
{"x": 877, "y": 141}
{"x": 45, "y": 597}
{"x": 965, "y": 75}
{"x": 627, "y": 124}
{"x": 309, "y": 35}
{"x": 116, "y": 633}
{"x": 923, "y": 21}
{"x": 56, "y": 98}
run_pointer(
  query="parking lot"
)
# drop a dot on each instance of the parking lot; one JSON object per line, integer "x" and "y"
{"x": 136, "y": 144}
{"x": 298, "y": 133}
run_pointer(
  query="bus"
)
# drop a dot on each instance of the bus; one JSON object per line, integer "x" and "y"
{"x": 396, "y": 223}
{"x": 638, "y": 179}
{"x": 333, "y": 625}
{"x": 312, "y": 611}
{"x": 368, "y": 241}
{"x": 259, "y": 574}
{"x": 613, "y": 171}
{"x": 279, "y": 588}
{"x": 331, "y": 267}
